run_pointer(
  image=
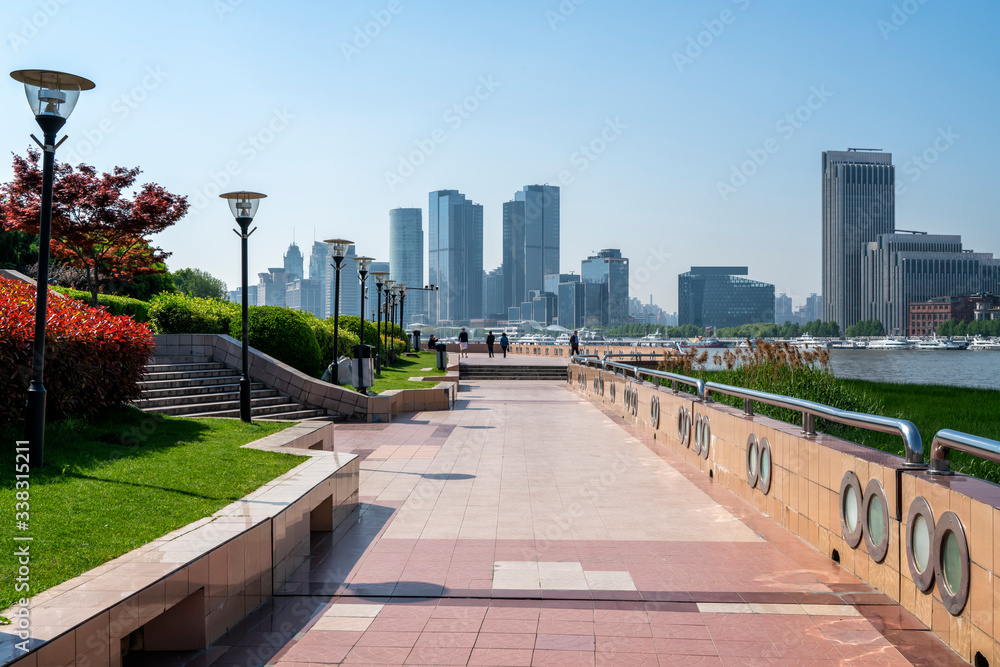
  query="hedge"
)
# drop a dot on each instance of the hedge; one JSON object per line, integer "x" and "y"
{"x": 282, "y": 334}
{"x": 182, "y": 314}
{"x": 92, "y": 359}
{"x": 116, "y": 305}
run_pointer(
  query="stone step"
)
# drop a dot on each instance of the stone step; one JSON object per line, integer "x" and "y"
{"x": 193, "y": 389}
{"x": 186, "y": 375}
{"x": 179, "y": 360}
{"x": 196, "y": 398}
{"x": 290, "y": 411}
{"x": 190, "y": 383}
{"x": 515, "y": 377}
{"x": 193, "y": 408}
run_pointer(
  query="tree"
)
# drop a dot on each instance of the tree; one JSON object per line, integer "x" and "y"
{"x": 866, "y": 328}
{"x": 94, "y": 226}
{"x": 199, "y": 283}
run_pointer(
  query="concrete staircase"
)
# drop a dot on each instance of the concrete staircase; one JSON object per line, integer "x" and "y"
{"x": 512, "y": 372}
{"x": 200, "y": 387}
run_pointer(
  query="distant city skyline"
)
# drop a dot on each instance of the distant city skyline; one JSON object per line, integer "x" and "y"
{"x": 677, "y": 154}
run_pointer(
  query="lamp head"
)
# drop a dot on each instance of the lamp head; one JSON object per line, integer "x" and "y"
{"x": 243, "y": 204}
{"x": 338, "y": 247}
{"x": 51, "y": 95}
{"x": 364, "y": 263}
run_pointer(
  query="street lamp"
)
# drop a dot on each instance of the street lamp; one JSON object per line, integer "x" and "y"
{"x": 338, "y": 250}
{"x": 52, "y": 96}
{"x": 380, "y": 278}
{"x": 387, "y": 288}
{"x": 364, "y": 263}
{"x": 244, "y": 207}
{"x": 396, "y": 291}
{"x": 402, "y": 321}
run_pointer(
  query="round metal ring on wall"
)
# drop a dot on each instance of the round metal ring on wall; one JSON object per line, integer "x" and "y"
{"x": 764, "y": 467}
{"x": 680, "y": 425}
{"x": 850, "y": 509}
{"x": 654, "y": 412}
{"x": 876, "y": 519}
{"x": 753, "y": 459}
{"x": 635, "y": 402}
{"x": 687, "y": 428}
{"x": 612, "y": 391}
{"x": 951, "y": 562}
{"x": 706, "y": 436}
{"x": 920, "y": 543}
{"x": 597, "y": 386}
{"x": 697, "y": 434}
{"x": 602, "y": 385}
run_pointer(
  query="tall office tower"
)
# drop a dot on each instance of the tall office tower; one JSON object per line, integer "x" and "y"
{"x": 608, "y": 305}
{"x": 813, "y": 309}
{"x": 859, "y": 203}
{"x": 513, "y": 253}
{"x": 406, "y": 259}
{"x": 305, "y": 295}
{"x": 271, "y": 289}
{"x": 904, "y": 268}
{"x": 293, "y": 262}
{"x": 541, "y": 233}
{"x": 493, "y": 288}
{"x": 554, "y": 280}
{"x": 371, "y": 292}
{"x": 717, "y": 296}
{"x": 572, "y": 304}
{"x": 783, "y": 309}
{"x": 319, "y": 260}
{"x": 455, "y": 257}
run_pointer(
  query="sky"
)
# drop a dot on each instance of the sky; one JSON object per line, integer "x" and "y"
{"x": 684, "y": 133}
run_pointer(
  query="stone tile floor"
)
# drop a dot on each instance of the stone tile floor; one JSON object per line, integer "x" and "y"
{"x": 542, "y": 532}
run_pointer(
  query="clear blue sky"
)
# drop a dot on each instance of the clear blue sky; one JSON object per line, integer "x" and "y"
{"x": 182, "y": 85}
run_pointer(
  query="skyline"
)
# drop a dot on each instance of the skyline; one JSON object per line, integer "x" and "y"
{"x": 751, "y": 108}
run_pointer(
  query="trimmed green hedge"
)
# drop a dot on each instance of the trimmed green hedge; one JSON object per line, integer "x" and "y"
{"x": 116, "y": 305}
{"x": 182, "y": 314}
{"x": 283, "y": 334}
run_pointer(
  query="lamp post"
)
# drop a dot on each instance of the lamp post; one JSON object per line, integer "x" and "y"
{"x": 244, "y": 207}
{"x": 52, "y": 96}
{"x": 364, "y": 263}
{"x": 380, "y": 278}
{"x": 338, "y": 250}
{"x": 402, "y": 303}
{"x": 396, "y": 291}
{"x": 387, "y": 287}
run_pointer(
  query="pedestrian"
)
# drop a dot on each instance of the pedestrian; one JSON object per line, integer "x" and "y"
{"x": 490, "y": 339}
{"x": 463, "y": 344}
{"x": 504, "y": 344}
{"x": 431, "y": 342}
{"x": 574, "y": 344}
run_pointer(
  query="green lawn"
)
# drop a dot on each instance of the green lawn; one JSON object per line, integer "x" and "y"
{"x": 397, "y": 376}
{"x": 98, "y": 498}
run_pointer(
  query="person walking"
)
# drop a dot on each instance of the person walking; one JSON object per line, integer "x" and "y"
{"x": 490, "y": 339}
{"x": 463, "y": 344}
{"x": 504, "y": 344}
{"x": 574, "y": 344}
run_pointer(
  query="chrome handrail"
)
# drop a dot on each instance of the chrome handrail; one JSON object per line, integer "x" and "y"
{"x": 674, "y": 378}
{"x": 947, "y": 440}
{"x": 912, "y": 442}
{"x": 632, "y": 355}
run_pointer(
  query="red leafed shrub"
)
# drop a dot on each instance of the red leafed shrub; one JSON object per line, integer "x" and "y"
{"x": 92, "y": 359}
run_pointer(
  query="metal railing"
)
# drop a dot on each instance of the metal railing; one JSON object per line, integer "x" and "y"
{"x": 945, "y": 441}
{"x": 638, "y": 356}
{"x": 912, "y": 442}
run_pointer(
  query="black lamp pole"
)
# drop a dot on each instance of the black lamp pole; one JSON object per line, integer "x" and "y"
{"x": 378, "y": 310}
{"x": 363, "y": 264}
{"x": 402, "y": 309}
{"x": 337, "y": 253}
{"x": 52, "y": 96}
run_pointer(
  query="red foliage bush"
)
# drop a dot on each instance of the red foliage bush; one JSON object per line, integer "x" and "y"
{"x": 92, "y": 359}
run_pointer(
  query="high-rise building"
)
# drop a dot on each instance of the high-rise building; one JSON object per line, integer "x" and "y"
{"x": 319, "y": 262}
{"x": 307, "y": 295}
{"x": 455, "y": 257}
{"x": 717, "y": 296}
{"x": 293, "y": 262}
{"x": 900, "y": 269}
{"x": 406, "y": 257}
{"x": 371, "y": 291}
{"x": 271, "y": 289}
{"x": 493, "y": 297}
{"x": 859, "y": 204}
{"x": 609, "y": 305}
{"x": 513, "y": 253}
{"x": 783, "y": 309}
{"x": 554, "y": 280}
{"x": 572, "y": 304}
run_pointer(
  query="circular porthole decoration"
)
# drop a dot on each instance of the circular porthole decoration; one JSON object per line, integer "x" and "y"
{"x": 850, "y": 508}
{"x": 920, "y": 543}
{"x": 706, "y": 436}
{"x": 753, "y": 458}
{"x": 602, "y": 385}
{"x": 951, "y": 562}
{"x": 697, "y": 434}
{"x": 876, "y": 520}
{"x": 611, "y": 391}
{"x": 635, "y": 402}
{"x": 764, "y": 466}
{"x": 654, "y": 412}
{"x": 597, "y": 386}
{"x": 683, "y": 426}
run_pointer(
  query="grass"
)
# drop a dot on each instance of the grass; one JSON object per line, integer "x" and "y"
{"x": 397, "y": 376}
{"x": 97, "y": 498}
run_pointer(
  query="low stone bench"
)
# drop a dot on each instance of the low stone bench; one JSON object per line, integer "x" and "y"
{"x": 186, "y": 589}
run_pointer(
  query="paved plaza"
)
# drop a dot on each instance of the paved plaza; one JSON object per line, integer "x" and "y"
{"x": 528, "y": 527}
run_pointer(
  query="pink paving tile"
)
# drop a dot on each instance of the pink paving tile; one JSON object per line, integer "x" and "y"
{"x": 501, "y": 656}
{"x": 746, "y": 649}
{"x": 388, "y": 639}
{"x": 438, "y": 656}
{"x": 513, "y": 625}
{"x": 502, "y": 640}
{"x": 477, "y": 612}
{"x": 623, "y": 629}
{"x": 453, "y": 625}
{"x": 564, "y": 642}
{"x": 549, "y": 614}
{"x": 509, "y": 609}
{"x": 690, "y": 660}
{"x": 377, "y": 654}
{"x": 559, "y": 627}
{"x": 672, "y": 646}
{"x": 671, "y": 631}
{"x": 447, "y": 640}
{"x": 314, "y": 649}
{"x": 625, "y": 644}
{"x": 571, "y": 658}
{"x": 615, "y": 658}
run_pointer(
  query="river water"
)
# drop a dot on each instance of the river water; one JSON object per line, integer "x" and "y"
{"x": 962, "y": 368}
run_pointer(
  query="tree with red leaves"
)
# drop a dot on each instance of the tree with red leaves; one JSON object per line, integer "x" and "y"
{"x": 94, "y": 227}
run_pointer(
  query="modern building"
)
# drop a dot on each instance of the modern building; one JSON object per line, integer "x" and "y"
{"x": 455, "y": 257}
{"x": 271, "y": 288}
{"x": 293, "y": 262}
{"x": 572, "y": 304}
{"x": 513, "y": 253}
{"x": 526, "y": 310}
{"x": 514, "y": 314}
{"x": 718, "y": 296}
{"x": 371, "y": 290}
{"x": 236, "y": 295}
{"x": 554, "y": 280}
{"x": 859, "y": 204}
{"x": 406, "y": 257}
{"x": 813, "y": 308}
{"x": 493, "y": 294}
{"x": 530, "y": 241}
{"x": 924, "y": 317}
{"x": 783, "y": 309}
{"x": 319, "y": 263}
{"x": 350, "y": 286}
{"x": 904, "y": 268}
{"x": 607, "y": 305}
{"x": 306, "y": 295}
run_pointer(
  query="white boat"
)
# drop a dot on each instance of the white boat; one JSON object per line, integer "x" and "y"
{"x": 848, "y": 344}
{"x": 984, "y": 345}
{"x": 890, "y": 344}
{"x": 563, "y": 339}
{"x": 937, "y": 345}
{"x": 808, "y": 342}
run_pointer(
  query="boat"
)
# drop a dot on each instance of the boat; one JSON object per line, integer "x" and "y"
{"x": 890, "y": 344}
{"x": 848, "y": 344}
{"x": 984, "y": 345}
{"x": 937, "y": 345}
{"x": 808, "y": 342}
{"x": 702, "y": 342}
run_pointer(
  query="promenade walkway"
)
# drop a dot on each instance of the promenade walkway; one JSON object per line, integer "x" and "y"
{"x": 527, "y": 527}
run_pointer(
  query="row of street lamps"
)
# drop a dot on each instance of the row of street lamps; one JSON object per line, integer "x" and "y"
{"x": 52, "y": 97}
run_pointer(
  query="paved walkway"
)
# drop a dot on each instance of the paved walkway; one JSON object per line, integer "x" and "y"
{"x": 527, "y": 527}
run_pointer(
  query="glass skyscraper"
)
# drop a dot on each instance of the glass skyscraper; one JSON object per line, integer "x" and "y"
{"x": 513, "y": 254}
{"x": 406, "y": 259}
{"x": 607, "y": 301}
{"x": 293, "y": 262}
{"x": 455, "y": 257}
{"x": 319, "y": 261}
{"x": 717, "y": 296}
{"x": 530, "y": 240}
